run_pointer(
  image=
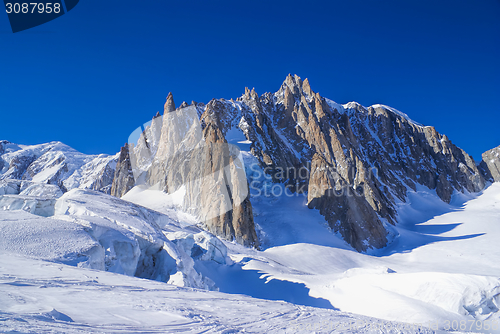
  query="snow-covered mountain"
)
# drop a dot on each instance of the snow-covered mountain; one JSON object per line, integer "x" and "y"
{"x": 352, "y": 163}
{"x": 52, "y": 168}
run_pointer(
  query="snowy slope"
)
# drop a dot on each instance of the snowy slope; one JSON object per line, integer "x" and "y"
{"x": 47, "y": 239}
{"x": 438, "y": 269}
{"x": 105, "y": 241}
{"x": 93, "y": 230}
{"x": 42, "y": 297}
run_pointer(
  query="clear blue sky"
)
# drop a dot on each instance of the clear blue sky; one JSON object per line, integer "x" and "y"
{"x": 92, "y": 76}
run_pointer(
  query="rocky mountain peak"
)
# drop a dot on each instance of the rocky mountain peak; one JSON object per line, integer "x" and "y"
{"x": 360, "y": 161}
{"x": 293, "y": 88}
{"x": 123, "y": 179}
{"x": 170, "y": 104}
{"x": 293, "y": 83}
{"x": 306, "y": 88}
{"x": 250, "y": 94}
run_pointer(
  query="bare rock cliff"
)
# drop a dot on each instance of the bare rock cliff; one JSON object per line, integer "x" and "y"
{"x": 123, "y": 179}
{"x": 490, "y": 166}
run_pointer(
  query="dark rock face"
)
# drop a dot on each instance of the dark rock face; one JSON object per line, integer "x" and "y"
{"x": 123, "y": 179}
{"x": 19, "y": 165}
{"x": 2, "y": 144}
{"x": 2, "y": 150}
{"x": 490, "y": 166}
{"x": 346, "y": 209}
{"x": 357, "y": 162}
{"x": 235, "y": 221}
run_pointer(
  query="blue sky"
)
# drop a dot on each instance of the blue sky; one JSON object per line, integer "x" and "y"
{"x": 92, "y": 76}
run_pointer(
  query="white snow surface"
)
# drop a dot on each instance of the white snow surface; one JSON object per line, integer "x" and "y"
{"x": 168, "y": 204}
{"x": 441, "y": 268}
{"x": 44, "y": 297}
{"x": 397, "y": 112}
{"x": 44, "y": 238}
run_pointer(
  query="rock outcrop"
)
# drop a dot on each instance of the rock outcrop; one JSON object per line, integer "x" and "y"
{"x": 490, "y": 166}
{"x": 170, "y": 104}
{"x": 123, "y": 179}
{"x": 178, "y": 153}
{"x": 2, "y": 144}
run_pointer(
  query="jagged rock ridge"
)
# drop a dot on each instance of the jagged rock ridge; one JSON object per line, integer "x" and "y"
{"x": 359, "y": 161}
{"x": 177, "y": 152}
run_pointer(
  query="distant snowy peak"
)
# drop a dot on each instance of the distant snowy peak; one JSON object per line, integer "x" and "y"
{"x": 7, "y": 147}
{"x": 56, "y": 164}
